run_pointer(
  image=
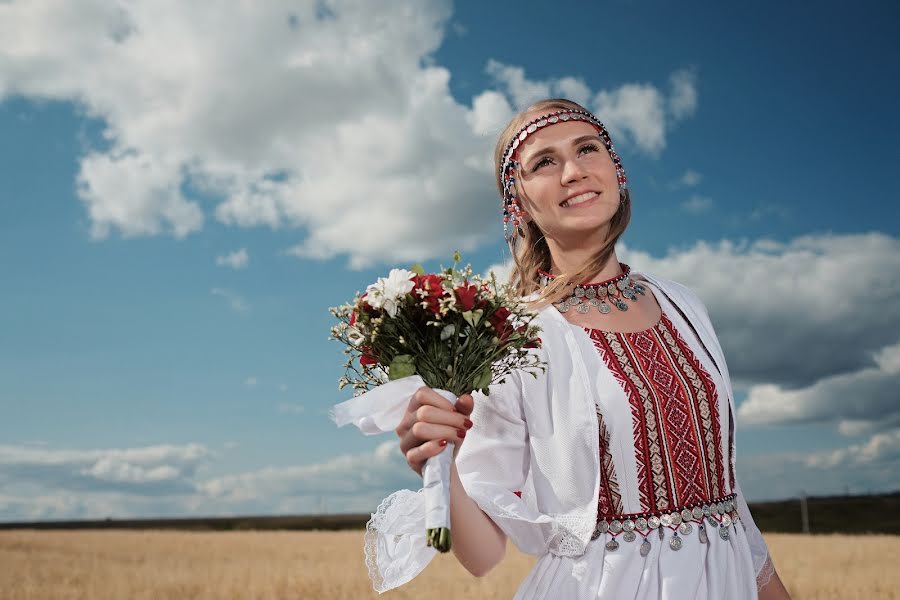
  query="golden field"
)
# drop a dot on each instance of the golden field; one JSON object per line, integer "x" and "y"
{"x": 137, "y": 565}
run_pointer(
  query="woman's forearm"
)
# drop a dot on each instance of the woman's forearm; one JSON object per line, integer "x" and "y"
{"x": 477, "y": 542}
{"x": 774, "y": 590}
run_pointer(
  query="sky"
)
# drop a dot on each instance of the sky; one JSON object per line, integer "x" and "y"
{"x": 185, "y": 192}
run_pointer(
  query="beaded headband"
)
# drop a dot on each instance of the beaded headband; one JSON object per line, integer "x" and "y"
{"x": 512, "y": 211}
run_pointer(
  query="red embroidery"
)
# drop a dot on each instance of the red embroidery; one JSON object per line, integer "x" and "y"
{"x": 674, "y": 415}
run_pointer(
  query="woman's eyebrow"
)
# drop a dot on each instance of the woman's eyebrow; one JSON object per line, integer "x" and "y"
{"x": 552, "y": 149}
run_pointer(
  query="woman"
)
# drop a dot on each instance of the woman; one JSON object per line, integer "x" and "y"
{"x": 616, "y": 467}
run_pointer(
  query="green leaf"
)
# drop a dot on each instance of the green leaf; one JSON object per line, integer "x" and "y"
{"x": 403, "y": 365}
{"x": 483, "y": 379}
{"x": 417, "y": 269}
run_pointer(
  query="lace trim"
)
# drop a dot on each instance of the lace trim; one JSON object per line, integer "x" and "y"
{"x": 371, "y": 537}
{"x": 765, "y": 574}
{"x": 565, "y": 539}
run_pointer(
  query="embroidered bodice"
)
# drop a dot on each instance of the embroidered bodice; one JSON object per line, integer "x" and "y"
{"x": 675, "y": 420}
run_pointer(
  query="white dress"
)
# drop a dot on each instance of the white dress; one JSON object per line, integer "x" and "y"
{"x": 622, "y": 427}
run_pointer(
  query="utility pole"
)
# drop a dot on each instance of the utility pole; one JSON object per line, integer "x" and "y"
{"x": 804, "y": 512}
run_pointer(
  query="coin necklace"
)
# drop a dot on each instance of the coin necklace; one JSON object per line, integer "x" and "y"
{"x": 600, "y": 294}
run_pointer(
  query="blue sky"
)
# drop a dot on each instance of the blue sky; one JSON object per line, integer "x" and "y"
{"x": 186, "y": 193}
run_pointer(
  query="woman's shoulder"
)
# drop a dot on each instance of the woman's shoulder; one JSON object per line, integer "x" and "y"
{"x": 670, "y": 286}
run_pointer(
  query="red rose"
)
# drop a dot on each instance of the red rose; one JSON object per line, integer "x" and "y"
{"x": 501, "y": 325}
{"x": 367, "y": 357}
{"x": 428, "y": 289}
{"x": 465, "y": 295}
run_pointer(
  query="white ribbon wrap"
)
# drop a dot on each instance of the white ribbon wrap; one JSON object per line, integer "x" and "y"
{"x": 380, "y": 410}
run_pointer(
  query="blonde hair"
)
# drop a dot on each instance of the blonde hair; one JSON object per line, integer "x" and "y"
{"x": 531, "y": 252}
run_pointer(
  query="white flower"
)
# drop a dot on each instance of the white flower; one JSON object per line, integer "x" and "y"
{"x": 354, "y": 336}
{"x": 387, "y": 291}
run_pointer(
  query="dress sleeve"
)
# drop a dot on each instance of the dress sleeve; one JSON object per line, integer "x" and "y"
{"x": 759, "y": 550}
{"x": 493, "y": 466}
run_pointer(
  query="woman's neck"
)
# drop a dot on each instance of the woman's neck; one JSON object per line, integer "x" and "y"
{"x": 569, "y": 258}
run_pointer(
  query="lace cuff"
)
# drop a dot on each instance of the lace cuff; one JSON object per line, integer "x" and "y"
{"x": 395, "y": 540}
{"x": 765, "y": 574}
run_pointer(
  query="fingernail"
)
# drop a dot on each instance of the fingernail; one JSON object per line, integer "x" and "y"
{"x": 461, "y": 433}
{"x": 468, "y": 424}
{"x": 442, "y": 443}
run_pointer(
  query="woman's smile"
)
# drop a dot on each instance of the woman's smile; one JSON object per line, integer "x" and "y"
{"x": 580, "y": 200}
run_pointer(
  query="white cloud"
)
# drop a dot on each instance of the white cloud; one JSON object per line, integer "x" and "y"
{"x": 790, "y": 321}
{"x": 637, "y": 114}
{"x": 236, "y": 260}
{"x": 167, "y": 481}
{"x": 351, "y": 482}
{"x": 136, "y": 193}
{"x": 150, "y": 470}
{"x": 792, "y": 313}
{"x": 860, "y": 401}
{"x": 689, "y": 178}
{"x": 870, "y": 466}
{"x": 354, "y": 142}
{"x": 235, "y": 301}
{"x": 697, "y": 204}
{"x": 503, "y": 271}
{"x": 683, "y": 97}
{"x": 291, "y": 408}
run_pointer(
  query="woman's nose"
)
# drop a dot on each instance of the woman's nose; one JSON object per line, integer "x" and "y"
{"x": 572, "y": 172}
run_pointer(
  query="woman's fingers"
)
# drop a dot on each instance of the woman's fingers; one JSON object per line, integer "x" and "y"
{"x": 432, "y": 431}
{"x": 431, "y": 419}
{"x": 465, "y": 404}
{"x": 417, "y": 456}
{"x": 427, "y": 396}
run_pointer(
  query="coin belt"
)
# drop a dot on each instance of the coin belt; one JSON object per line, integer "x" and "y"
{"x": 720, "y": 514}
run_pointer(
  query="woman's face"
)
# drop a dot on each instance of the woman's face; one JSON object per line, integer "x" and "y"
{"x": 569, "y": 180}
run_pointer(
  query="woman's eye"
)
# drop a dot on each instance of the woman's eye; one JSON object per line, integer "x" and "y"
{"x": 543, "y": 162}
{"x": 588, "y": 148}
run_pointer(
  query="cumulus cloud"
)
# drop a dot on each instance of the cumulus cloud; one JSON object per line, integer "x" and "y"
{"x": 235, "y": 301}
{"x": 871, "y": 465}
{"x": 689, "y": 178}
{"x": 637, "y": 114}
{"x": 351, "y": 482}
{"x": 860, "y": 401}
{"x": 335, "y": 123}
{"x": 697, "y": 204}
{"x": 236, "y": 260}
{"x": 167, "y": 481}
{"x": 795, "y": 312}
{"x": 788, "y": 315}
{"x": 152, "y": 470}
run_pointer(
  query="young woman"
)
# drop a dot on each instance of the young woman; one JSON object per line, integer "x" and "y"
{"x": 615, "y": 467}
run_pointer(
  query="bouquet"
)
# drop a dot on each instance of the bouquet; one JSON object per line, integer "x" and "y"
{"x": 453, "y": 331}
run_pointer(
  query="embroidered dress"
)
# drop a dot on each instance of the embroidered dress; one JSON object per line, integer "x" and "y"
{"x": 674, "y": 538}
{"x": 626, "y": 434}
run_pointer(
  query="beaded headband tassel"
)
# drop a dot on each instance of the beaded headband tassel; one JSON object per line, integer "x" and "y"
{"x": 512, "y": 211}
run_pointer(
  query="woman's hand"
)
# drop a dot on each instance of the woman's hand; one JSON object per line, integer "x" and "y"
{"x": 429, "y": 423}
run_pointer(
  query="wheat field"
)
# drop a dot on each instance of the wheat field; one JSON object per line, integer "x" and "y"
{"x": 140, "y": 565}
